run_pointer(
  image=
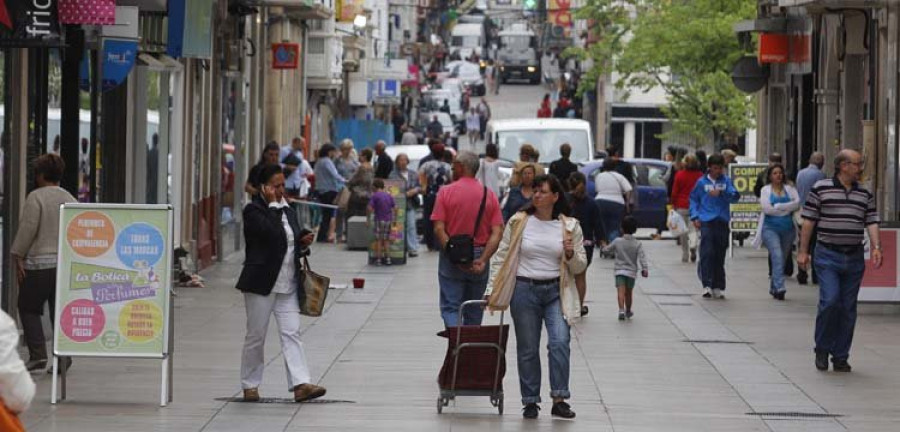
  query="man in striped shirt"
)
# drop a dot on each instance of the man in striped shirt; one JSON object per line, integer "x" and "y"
{"x": 841, "y": 211}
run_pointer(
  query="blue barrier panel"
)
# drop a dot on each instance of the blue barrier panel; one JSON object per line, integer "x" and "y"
{"x": 364, "y": 133}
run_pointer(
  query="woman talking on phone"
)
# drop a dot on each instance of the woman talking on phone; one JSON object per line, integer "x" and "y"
{"x": 270, "y": 280}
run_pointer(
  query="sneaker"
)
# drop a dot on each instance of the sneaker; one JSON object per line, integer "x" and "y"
{"x": 562, "y": 409}
{"x": 387, "y": 261}
{"x": 621, "y": 316}
{"x": 377, "y": 262}
{"x": 840, "y": 365}
{"x": 34, "y": 365}
{"x": 305, "y": 392}
{"x": 780, "y": 295}
{"x": 629, "y": 314}
{"x": 531, "y": 411}
{"x": 707, "y": 293}
{"x": 802, "y": 277}
{"x": 693, "y": 255}
{"x": 821, "y": 360}
{"x": 413, "y": 254}
{"x": 584, "y": 311}
{"x": 717, "y": 294}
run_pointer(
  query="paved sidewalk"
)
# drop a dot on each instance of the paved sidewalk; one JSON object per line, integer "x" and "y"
{"x": 682, "y": 364}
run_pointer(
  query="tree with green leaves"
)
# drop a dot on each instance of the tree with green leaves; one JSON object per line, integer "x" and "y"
{"x": 685, "y": 47}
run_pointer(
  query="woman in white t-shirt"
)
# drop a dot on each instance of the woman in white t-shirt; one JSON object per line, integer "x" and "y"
{"x": 533, "y": 273}
{"x": 613, "y": 193}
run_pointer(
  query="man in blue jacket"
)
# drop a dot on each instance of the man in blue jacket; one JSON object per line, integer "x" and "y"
{"x": 710, "y": 201}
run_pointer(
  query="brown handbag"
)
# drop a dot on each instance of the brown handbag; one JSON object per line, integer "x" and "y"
{"x": 313, "y": 291}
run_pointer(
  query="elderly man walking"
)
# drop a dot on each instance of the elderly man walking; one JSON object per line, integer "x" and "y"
{"x": 806, "y": 178}
{"x": 465, "y": 207}
{"x": 841, "y": 211}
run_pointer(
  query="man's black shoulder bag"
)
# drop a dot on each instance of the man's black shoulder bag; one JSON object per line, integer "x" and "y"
{"x": 461, "y": 248}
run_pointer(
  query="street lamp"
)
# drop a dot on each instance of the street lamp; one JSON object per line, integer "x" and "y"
{"x": 360, "y": 22}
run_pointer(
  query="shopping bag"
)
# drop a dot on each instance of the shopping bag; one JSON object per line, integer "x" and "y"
{"x": 9, "y": 421}
{"x": 312, "y": 292}
{"x": 676, "y": 223}
{"x": 343, "y": 199}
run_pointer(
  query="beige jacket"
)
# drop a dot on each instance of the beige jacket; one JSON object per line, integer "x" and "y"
{"x": 37, "y": 237}
{"x": 505, "y": 264}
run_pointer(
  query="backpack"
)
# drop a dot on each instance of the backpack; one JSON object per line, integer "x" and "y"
{"x": 438, "y": 179}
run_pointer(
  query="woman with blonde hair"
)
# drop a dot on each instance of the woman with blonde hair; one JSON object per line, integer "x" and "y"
{"x": 528, "y": 155}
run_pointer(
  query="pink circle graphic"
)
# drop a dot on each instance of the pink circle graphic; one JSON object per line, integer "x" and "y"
{"x": 82, "y": 320}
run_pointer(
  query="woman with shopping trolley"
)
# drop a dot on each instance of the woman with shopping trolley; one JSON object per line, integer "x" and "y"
{"x": 533, "y": 273}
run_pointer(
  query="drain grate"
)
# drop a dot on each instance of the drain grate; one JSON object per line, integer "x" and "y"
{"x": 793, "y": 414}
{"x": 716, "y": 341}
{"x": 674, "y": 304}
{"x": 272, "y": 400}
{"x": 668, "y": 294}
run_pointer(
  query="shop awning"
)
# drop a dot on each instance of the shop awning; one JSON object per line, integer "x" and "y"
{"x": 834, "y": 3}
{"x": 301, "y": 9}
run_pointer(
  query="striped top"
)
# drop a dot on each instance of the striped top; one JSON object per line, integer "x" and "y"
{"x": 841, "y": 215}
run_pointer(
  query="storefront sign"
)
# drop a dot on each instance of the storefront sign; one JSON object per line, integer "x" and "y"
{"x": 113, "y": 279}
{"x": 745, "y": 212}
{"x": 118, "y": 60}
{"x": 96, "y": 12}
{"x": 384, "y": 92}
{"x": 559, "y": 13}
{"x": 285, "y": 55}
{"x": 190, "y": 29}
{"x": 29, "y": 23}
{"x": 883, "y": 284}
{"x": 349, "y": 9}
{"x": 773, "y": 48}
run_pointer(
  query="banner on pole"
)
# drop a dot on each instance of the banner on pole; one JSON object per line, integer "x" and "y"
{"x": 112, "y": 280}
{"x": 745, "y": 213}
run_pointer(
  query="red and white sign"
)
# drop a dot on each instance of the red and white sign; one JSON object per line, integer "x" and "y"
{"x": 883, "y": 284}
{"x": 285, "y": 55}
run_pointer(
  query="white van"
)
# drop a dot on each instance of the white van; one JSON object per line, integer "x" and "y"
{"x": 545, "y": 135}
{"x": 466, "y": 39}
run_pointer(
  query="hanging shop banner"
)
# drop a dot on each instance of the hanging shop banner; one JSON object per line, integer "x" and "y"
{"x": 95, "y": 12}
{"x": 118, "y": 60}
{"x": 25, "y": 23}
{"x": 349, "y": 9}
{"x": 397, "y": 249}
{"x": 883, "y": 284}
{"x": 285, "y": 55}
{"x": 190, "y": 29}
{"x": 559, "y": 13}
{"x": 112, "y": 280}
{"x": 745, "y": 213}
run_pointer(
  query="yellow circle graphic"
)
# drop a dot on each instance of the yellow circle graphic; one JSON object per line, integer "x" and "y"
{"x": 140, "y": 321}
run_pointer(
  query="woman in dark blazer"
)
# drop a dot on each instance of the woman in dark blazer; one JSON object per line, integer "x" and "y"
{"x": 270, "y": 281}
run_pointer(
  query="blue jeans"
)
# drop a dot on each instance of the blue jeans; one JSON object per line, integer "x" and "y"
{"x": 714, "y": 239}
{"x": 531, "y": 306}
{"x": 412, "y": 236}
{"x": 839, "y": 278}
{"x": 779, "y": 244}
{"x": 458, "y": 286}
{"x": 611, "y": 214}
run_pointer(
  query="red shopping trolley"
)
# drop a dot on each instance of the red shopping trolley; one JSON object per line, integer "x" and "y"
{"x": 475, "y": 362}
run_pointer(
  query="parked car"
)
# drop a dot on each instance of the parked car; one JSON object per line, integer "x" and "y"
{"x": 469, "y": 73}
{"x": 652, "y": 197}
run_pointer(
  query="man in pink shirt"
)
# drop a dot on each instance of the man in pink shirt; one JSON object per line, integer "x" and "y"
{"x": 455, "y": 213}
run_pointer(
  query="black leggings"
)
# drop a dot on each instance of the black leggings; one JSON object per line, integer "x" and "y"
{"x": 327, "y": 214}
{"x": 38, "y": 288}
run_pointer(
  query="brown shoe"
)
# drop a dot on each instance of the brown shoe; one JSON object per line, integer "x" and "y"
{"x": 251, "y": 395}
{"x": 305, "y": 392}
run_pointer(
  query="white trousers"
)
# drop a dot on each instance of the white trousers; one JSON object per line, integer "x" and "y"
{"x": 287, "y": 316}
